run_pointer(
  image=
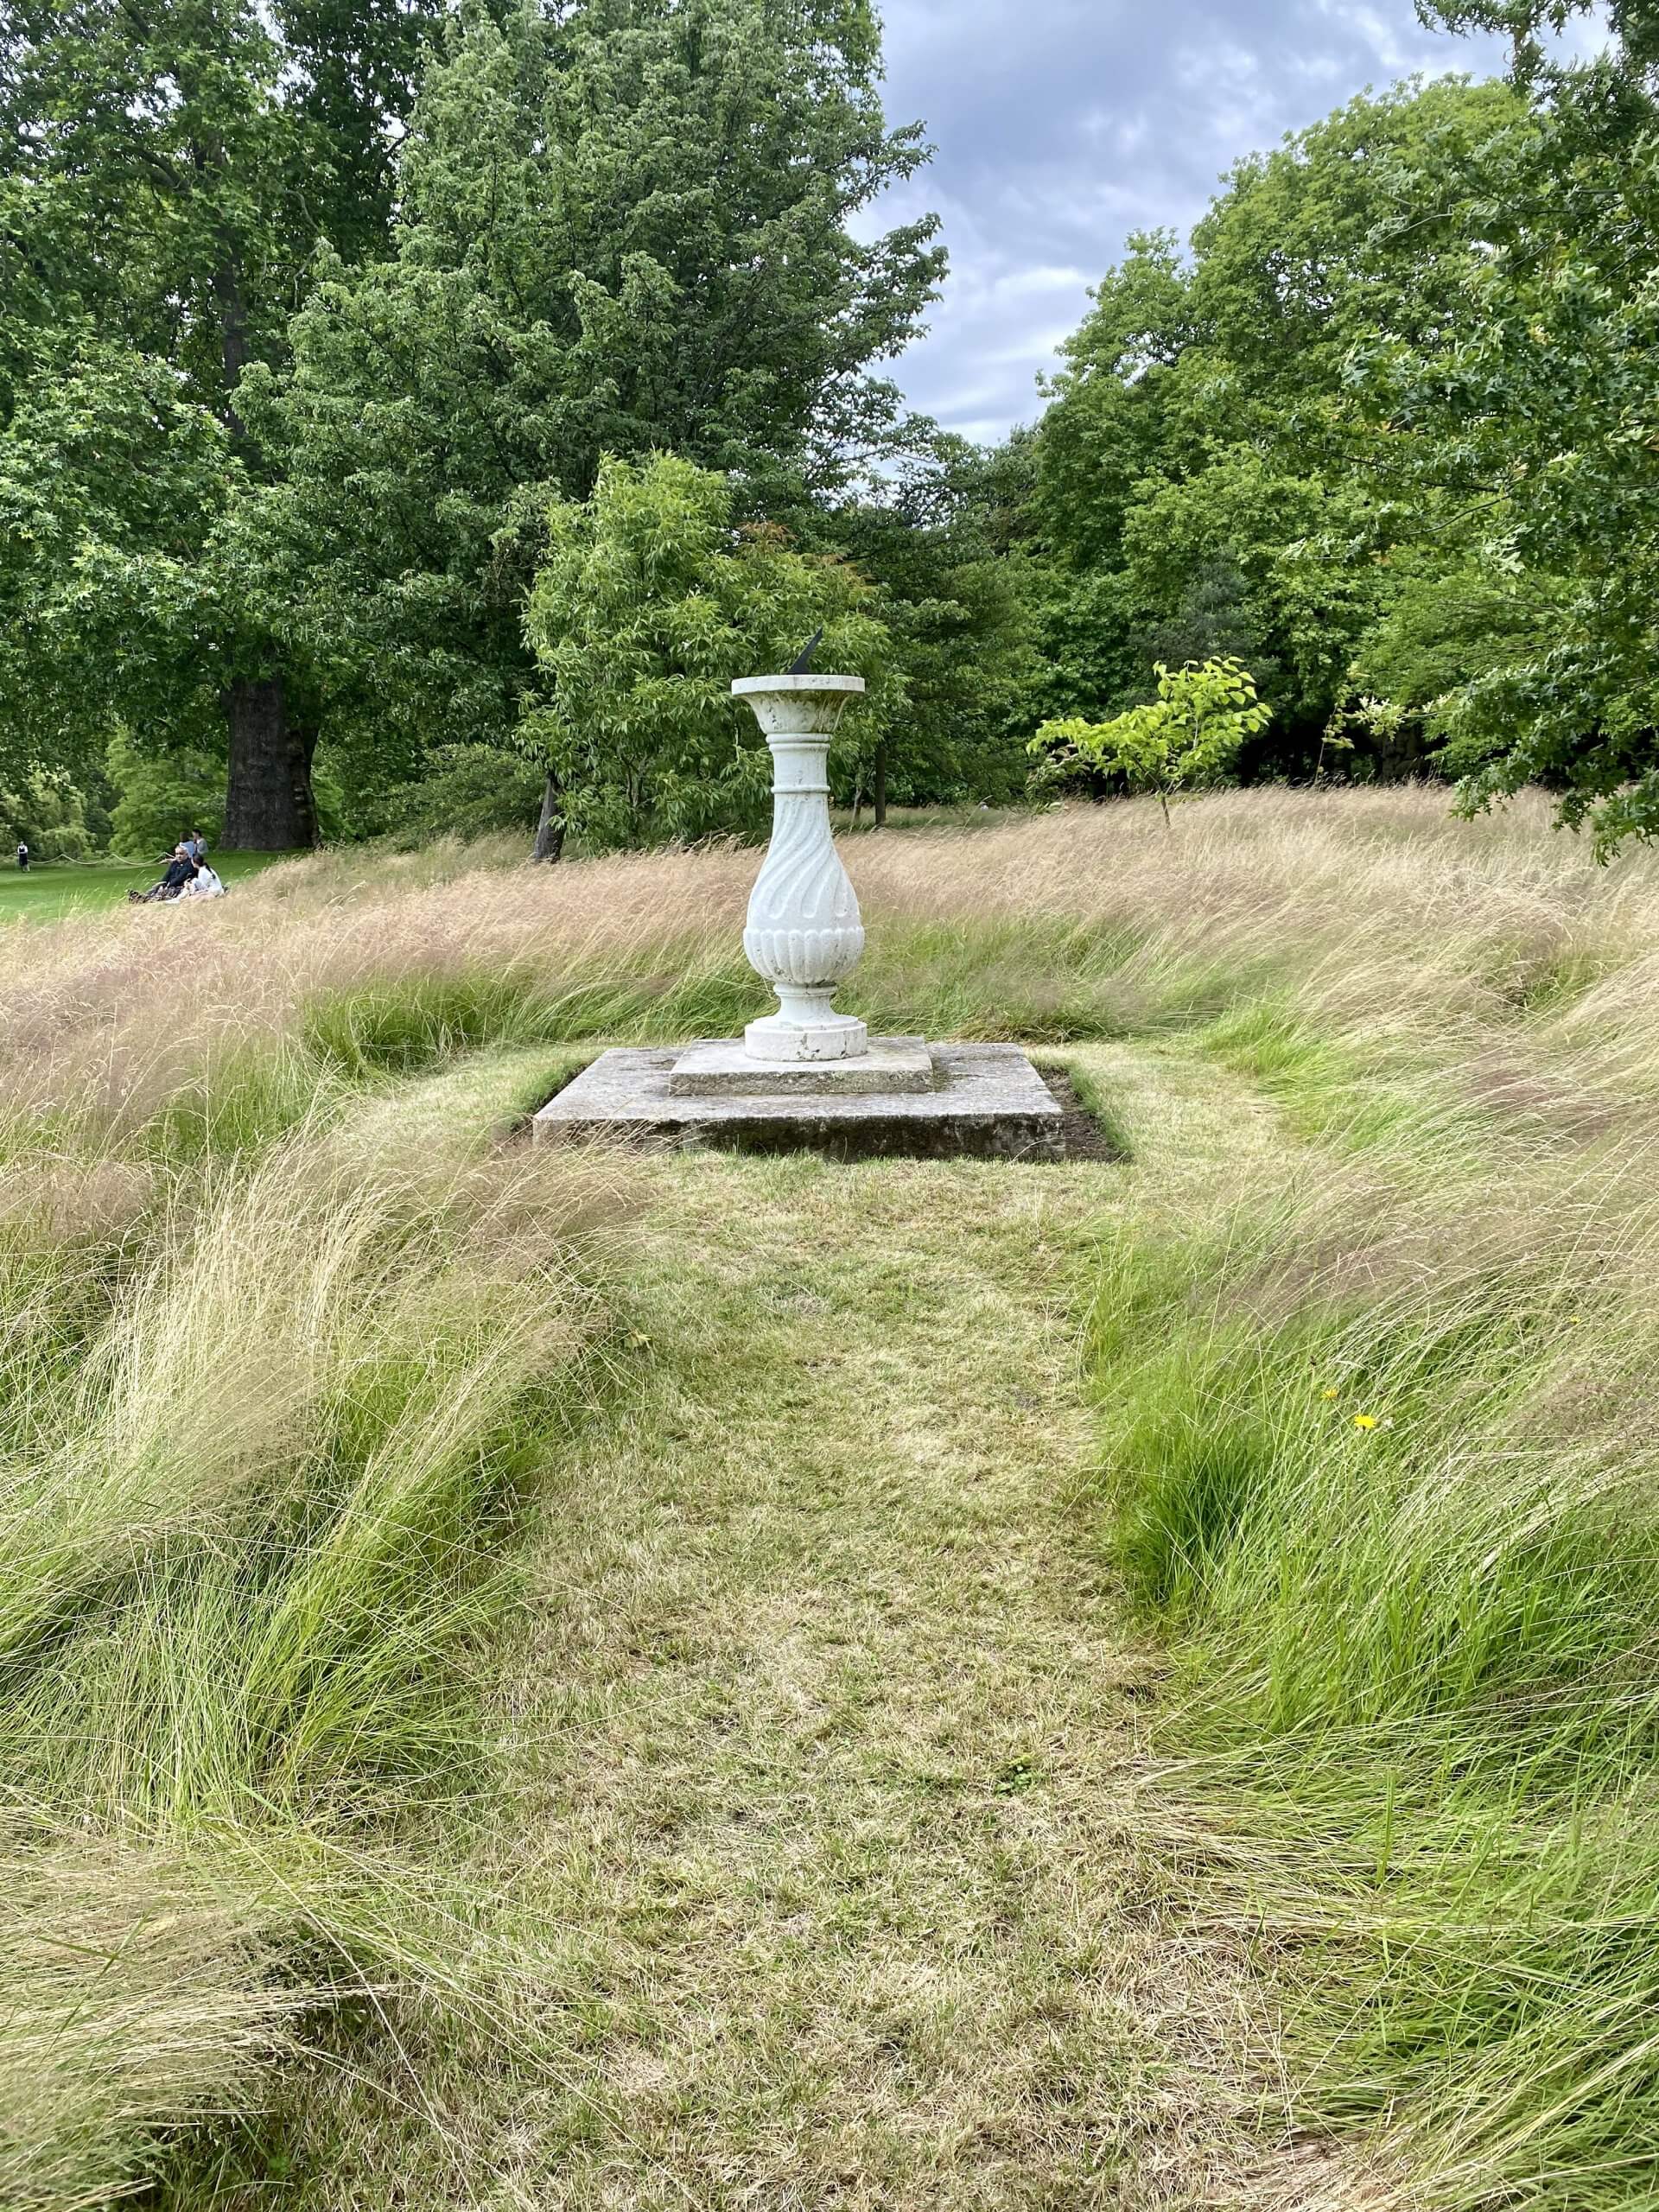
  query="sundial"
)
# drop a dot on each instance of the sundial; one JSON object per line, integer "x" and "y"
{"x": 809, "y": 1075}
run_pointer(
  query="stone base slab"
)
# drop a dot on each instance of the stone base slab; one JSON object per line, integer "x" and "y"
{"x": 985, "y": 1101}
{"x": 723, "y": 1068}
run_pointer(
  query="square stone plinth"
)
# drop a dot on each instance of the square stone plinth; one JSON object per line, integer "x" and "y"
{"x": 723, "y": 1067}
{"x": 982, "y": 1102}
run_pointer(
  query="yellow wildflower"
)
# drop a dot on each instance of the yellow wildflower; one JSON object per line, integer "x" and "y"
{"x": 1364, "y": 1420}
{"x": 1331, "y": 1394}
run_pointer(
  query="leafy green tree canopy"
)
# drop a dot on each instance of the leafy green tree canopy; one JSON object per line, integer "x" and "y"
{"x": 650, "y": 600}
{"x": 625, "y": 226}
{"x": 166, "y": 167}
{"x": 945, "y": 543}
{"x": 1526, "y": 410}
{"x": 1204, "y": 483}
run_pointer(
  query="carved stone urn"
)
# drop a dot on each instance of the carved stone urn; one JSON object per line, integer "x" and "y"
{"x": 803, "y": 933}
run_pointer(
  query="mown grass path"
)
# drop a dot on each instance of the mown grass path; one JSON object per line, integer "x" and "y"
{"x": 819, "y": 1729}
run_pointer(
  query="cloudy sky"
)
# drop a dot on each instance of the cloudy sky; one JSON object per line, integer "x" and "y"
{"x": 1062, "y": 125}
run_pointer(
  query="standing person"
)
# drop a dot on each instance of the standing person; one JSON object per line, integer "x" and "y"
{"x": 22, "y": 856}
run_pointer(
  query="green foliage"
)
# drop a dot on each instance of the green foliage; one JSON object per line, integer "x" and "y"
{"x": 1204, "y": 481}
{"x": 1380, "y": 432}
{"x": 160, "y": 797}
{"x": 1525, "y": 405}
{"x": 470, "y": 791}
{"x": 110, "y": 478}
{"x": 622, "y": 227}
{"x": 650, "y": 598}
{"x": 1186, "y": 739}
{"x": 45, "y": 811}
{"x": 165, "y": 176}
{"x": 625, "y": 228}
{"x": 946, "y": 546}
{"x": 1445, "y": 630}
{"x": 1109, "y": 424}
{"x": 1387, "y": 432}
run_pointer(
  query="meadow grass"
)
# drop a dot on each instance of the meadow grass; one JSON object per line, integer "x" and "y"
{"x": 1364, "y": 921}
{"x": 803, "y": 1819}
{"x": 1379, "y": 1455}
{"x": 265, "y": 1414}
{"x": 288, "y": 1334}
{"x": 1389, "y": 1477}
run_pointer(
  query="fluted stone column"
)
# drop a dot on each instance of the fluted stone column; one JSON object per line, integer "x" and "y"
{"x": 803, "y": 933}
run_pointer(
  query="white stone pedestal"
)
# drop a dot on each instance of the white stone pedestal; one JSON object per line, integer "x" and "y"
{"x": 981, "y": 1101}
{"x": 807, "y": 1078}
{"x": 804, "y": 933}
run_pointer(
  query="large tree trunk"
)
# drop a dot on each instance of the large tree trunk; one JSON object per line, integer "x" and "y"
{"x": 233, "y": 349}
{"x": 269, "y": 804}
{"x": 549, "y": 830}
{"x": 879, "y": 798}
{"x": 269, "y": 807}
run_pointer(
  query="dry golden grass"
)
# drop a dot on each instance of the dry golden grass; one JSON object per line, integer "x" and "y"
{"x": 262, "y": 1420}
{"x": 1370, "y": 911}
{"x": 816, "y": 1875}
{"x": 133, "y": 1998}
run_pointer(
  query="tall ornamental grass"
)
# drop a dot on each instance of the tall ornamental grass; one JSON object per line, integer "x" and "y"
{"x": 263, "y": 1422}
{"x": 1368, "y": 919}
{"x": 1377, "y": 1447}
{"x": 1380, "y": 1455}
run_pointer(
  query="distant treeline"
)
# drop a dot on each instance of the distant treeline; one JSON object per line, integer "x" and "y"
{"x": 319, "y": 328}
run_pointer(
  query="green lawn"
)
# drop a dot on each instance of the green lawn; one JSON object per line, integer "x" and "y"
{"x": 46, "y": 892}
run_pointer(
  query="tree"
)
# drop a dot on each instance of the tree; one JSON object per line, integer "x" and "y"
{"x": 169, "y": 167}
{"x": 626, "y": 226}
{"x": 110, "y": 477}
{"x": 946, "y": 545}
{"x": 47, "y": 812}
{"x": 160, "y": 795}
{"x": 1529, "y": 410}
{"x": 1526, "y": 23}
{"x": 1186, "y": 739}
{"x": 650, "y": 598}
{"x": 1111, "y": 424}
{"x": 465, "y": 790}
{"x": 1205, "y": 482}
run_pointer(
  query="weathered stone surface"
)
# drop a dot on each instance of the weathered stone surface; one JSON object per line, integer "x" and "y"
{"x": 826, "y": 1035}
{"x": 723, "y": 1068}
{"x": 986, "y": 1102}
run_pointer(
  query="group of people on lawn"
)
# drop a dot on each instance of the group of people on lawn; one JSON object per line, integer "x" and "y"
{"x": 186, "y": 876}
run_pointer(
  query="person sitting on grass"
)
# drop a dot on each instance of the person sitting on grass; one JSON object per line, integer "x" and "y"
{"x": 205, "y": 884}
{"x": 181, "y": 870}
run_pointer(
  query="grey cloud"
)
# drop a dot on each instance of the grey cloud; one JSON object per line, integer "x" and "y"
{"x": 1063, "y": 125}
